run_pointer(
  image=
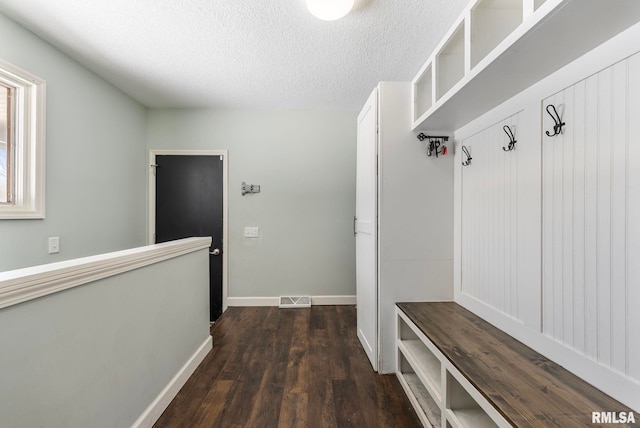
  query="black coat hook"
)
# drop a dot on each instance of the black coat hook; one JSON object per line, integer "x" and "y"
{"x": 468, "y": 155}
{"x": 512, "y": 139}
{"x": 558, "y": 123}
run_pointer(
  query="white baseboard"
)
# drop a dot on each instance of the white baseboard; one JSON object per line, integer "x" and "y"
{"x": 275, "y": 301}
{"x": 162, "y": 401}
{"x": 253, "y": 301}
{"x": 333, "y": 300}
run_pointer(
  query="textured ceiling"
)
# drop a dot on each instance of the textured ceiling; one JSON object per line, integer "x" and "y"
{"x": 241, "y": 53}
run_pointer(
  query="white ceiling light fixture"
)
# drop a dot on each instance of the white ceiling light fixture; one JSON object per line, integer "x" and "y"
{"x": 329, "y": 10}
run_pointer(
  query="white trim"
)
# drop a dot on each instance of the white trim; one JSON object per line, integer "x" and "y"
{"x": 225, "y": 205}
{"x": 275, "y": 301}
{"x": 21, "y": 285}
{"x": 30, "y": 135}
{"x": 253, "y": 301}
{"x": 162, "y": 401}
{"x": 332, "y": 300}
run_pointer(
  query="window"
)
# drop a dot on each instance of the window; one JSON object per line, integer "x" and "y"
{"x": 22, "y": 134}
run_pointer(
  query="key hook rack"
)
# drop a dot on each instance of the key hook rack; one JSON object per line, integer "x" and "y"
{"x": 436, "y": 144}
{"x": 465, "y": 151}
{"x": 512, "y": 139}
{"x": 558, "y": 123}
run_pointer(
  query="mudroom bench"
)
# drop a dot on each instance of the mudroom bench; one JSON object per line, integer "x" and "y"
{"x": 460, "y": 371}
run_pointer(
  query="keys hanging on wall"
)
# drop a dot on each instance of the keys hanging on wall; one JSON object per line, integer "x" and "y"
{"x": 436, "y": 145}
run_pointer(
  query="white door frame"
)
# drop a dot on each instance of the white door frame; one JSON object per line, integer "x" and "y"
{"x": 225, "y": 203}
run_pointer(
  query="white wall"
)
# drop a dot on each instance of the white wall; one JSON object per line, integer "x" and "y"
{"x": 95, "y": 157}
{"x": 305, "y": 164}
{"x": 415, "y": 218}
{"x": 547, "y": 234}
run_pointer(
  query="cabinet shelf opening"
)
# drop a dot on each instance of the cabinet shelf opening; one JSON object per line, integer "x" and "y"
{"x": 491, "y": 22}
{"x": 537, "y": 4}
{"x": 450, "y": 62}
{"x": 423, "y": 90}
{"x": 463, "y": 408}
{"x": 429, "y": 407}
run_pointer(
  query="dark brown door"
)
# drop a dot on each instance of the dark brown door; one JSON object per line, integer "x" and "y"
{"x": 189, "y": 202}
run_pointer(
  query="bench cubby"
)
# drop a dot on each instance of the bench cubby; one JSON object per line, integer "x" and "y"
{"x": 460, "y": 371}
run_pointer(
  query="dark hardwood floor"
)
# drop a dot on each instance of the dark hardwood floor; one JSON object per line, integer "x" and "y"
{"x": 275, "y": 367}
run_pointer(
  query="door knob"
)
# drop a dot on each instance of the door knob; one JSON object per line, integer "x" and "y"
{"x": 215, "y": 252}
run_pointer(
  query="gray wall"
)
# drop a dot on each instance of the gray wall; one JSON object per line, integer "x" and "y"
{"x": 96, "y": 189}
{"x": 97, "y": 355}
{"x": 305, "y": 163}
{"x": 95, "y": 173}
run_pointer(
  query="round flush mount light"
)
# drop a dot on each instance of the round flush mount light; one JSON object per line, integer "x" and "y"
{"x": 329, "y": 10}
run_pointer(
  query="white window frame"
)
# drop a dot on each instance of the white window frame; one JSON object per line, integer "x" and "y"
{"x": 28, "y": 144}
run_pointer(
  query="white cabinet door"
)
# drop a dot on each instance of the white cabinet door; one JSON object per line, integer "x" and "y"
{"x": 366, "y": 229}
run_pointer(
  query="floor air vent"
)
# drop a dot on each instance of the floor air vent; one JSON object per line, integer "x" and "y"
{"x": 295, "y": 302}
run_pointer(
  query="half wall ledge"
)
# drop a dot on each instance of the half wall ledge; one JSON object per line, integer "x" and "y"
{"x": 21, "y": 285}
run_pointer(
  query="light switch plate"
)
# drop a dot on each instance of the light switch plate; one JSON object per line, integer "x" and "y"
{"x": 251, "y": 232}
{"x": 54, "y": 245}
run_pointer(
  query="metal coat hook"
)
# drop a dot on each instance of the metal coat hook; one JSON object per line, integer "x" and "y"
{"x": 558, "y": 123}
{"x": 512, "y": 139}
{"x": 435, "y": 144}
{"x": 249, "y": 188}
{"x": 468, "y": 155}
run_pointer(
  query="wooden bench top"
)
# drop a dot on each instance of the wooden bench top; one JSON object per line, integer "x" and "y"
{"x": 524, "y": 386}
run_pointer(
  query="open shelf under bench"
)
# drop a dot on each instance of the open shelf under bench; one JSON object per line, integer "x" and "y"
{"x": 484, "y": 376}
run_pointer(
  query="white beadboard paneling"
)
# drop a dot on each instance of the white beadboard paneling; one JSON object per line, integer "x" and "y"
{"x": 603, "y": 214}
{"x": 529, "y": 222}
{"x": 576, "y": 347}
{"x": 619, "y": 285}
{"x": 590, "y": 215}
{"x": 553, "y": 203}
{"x": 565, "y": 270}
{"x": 590, "y": 202}
{"x": 578, "y": 220}
{"x": 633, "y": 221}
{"x": 547, "y": 232}
{"x": 489, "y": 253}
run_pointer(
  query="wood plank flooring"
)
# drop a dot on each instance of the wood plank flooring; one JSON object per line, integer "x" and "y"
{"x": 275, "y": 367}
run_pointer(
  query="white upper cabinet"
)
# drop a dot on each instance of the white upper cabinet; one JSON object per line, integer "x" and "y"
{"x": 450, "y": 62}
{"x": 491, "y": 22}
{"x": 497, "y": 48}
